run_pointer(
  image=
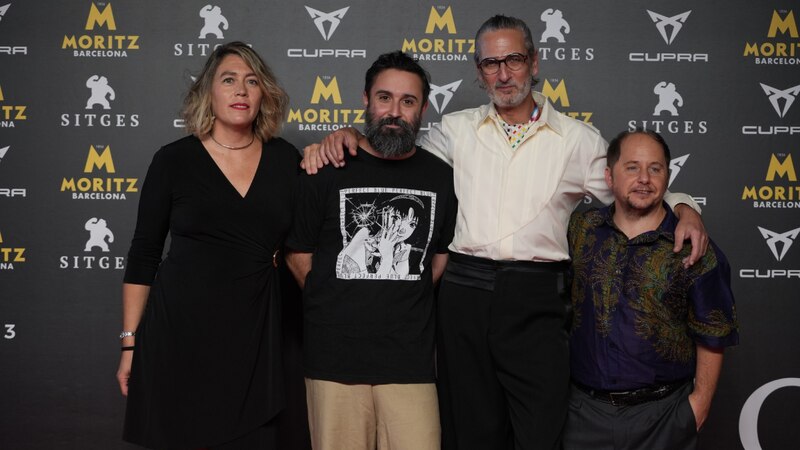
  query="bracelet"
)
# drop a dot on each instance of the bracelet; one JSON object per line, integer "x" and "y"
{"x": 125, "y": 334}
{"x": 128, "y": 348}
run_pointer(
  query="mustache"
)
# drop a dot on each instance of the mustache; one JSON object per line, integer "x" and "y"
{"x": 396, "y": 121}
{"x": 506, "y": 84}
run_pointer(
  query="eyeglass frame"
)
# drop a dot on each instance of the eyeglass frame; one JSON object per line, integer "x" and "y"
{"x": 501, "y": 61}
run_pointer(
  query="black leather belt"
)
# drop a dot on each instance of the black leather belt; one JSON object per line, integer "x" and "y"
{"x": 480, "y": 273}
{"x": 634, "y": 396}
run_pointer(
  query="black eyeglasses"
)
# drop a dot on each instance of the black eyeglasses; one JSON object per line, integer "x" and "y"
{"x": 514, "y": 61}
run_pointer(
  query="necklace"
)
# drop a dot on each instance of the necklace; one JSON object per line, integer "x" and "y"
{"x": 230, "y": 147}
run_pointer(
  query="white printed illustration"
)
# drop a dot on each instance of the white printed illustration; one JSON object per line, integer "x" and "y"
{"x": 214, "y": 23}
{"x": 101, "y": 92}
{"x": 385, "y": 233}
{"x": 99, "y": 234}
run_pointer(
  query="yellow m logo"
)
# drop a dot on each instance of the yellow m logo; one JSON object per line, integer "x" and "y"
{"x": 441, "y": 22}
{"x": 99, "y": 160}
{"x": 559, "y": 94}
{"x": 783, "y": 25}
{"x": 326, "y": 91}
{"x": 784, "y": 169}
{"x": 101, "y": 18}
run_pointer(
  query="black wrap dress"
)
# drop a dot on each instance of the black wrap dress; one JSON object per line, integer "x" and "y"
{"x": 207, "y": 364}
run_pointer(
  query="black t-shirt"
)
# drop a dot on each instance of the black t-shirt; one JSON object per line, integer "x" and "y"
{"x": 373, "y": 227}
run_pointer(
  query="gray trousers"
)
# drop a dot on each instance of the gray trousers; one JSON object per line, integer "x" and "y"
{"x": 663, "y": 424}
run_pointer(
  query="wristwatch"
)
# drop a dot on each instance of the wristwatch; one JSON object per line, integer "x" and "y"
{"x": 125, "y": 334}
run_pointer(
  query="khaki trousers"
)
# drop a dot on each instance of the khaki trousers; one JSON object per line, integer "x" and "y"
{"x": 369, "y": 417}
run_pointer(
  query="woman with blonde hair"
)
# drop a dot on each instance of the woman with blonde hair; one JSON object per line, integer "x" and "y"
{"x": 201, "y": 357}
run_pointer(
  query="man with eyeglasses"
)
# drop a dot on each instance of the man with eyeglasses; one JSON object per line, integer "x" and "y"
{"x": 520, "y": 169}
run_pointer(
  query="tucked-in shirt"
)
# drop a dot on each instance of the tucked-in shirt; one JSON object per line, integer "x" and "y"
{"x": 514, "y": 204}
{"x": 638, "y": 314}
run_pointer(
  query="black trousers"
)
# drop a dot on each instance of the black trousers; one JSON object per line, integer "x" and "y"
{"x": 668, "y": 423}
{"x": 502, "y": 355}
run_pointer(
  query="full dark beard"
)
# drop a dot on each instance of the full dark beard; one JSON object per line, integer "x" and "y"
{"x": 391, "y": 142}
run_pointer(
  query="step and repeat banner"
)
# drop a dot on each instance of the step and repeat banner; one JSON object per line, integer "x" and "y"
{"x": 89, "y": 90}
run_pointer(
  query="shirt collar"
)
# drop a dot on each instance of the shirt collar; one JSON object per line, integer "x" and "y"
{"x": 549, "y": 116}
{"x": 666, "y": 228}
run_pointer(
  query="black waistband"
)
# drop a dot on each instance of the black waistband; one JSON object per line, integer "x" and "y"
{"x": 491, "y": 264}
{"x": 634, "y": 396}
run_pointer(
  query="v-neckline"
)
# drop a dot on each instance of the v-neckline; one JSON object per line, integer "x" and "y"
{"x": 225, "y": 177}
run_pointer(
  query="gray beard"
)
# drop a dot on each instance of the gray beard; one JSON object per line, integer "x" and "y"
{"x": 391, "y": 142}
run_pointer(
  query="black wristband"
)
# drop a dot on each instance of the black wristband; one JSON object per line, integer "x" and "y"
{"x": 129, "y": 348}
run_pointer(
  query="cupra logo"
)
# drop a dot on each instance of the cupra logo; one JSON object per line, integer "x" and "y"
{"x": 775, "y": 95}
{"x": 446, "y": 92}
{"x": 333, "y": 18}
{"x": 675, "y": 22}
{"x": 675, "y": 166}
{"x": 773, "y": 239}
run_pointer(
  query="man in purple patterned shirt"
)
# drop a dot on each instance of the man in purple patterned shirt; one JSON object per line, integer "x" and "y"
{"x": 647, "y": 335}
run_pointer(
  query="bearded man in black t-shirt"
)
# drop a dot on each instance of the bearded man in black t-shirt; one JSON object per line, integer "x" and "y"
{"x": 368, "y": 243}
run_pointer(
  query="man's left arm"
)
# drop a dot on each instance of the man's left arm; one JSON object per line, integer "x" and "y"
{"x": 438, "y": 263}
{"x": 709, "y": 366}
{"x": 300, "y": 265}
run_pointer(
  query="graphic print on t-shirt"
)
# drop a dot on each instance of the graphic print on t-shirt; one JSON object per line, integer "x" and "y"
{"x": 385, "y": 233}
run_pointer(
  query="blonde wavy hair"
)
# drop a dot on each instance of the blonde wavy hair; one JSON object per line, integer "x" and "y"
{"x": 197, "y": 113}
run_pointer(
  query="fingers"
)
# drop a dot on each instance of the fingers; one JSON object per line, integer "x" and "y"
{"x": 311, "y": 159}
{"x": 352, "y": 141}
{"x": 332, "y": 148}
{"x": 699, "y": 242}
{"x": 122, "y": 379}
{"x": 124, "y": 372}
{"x": 679, "y": 238}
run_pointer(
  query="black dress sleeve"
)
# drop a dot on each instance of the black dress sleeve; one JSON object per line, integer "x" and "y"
{"x": 152, "y": 223}
{"x": 309, "y": 214}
